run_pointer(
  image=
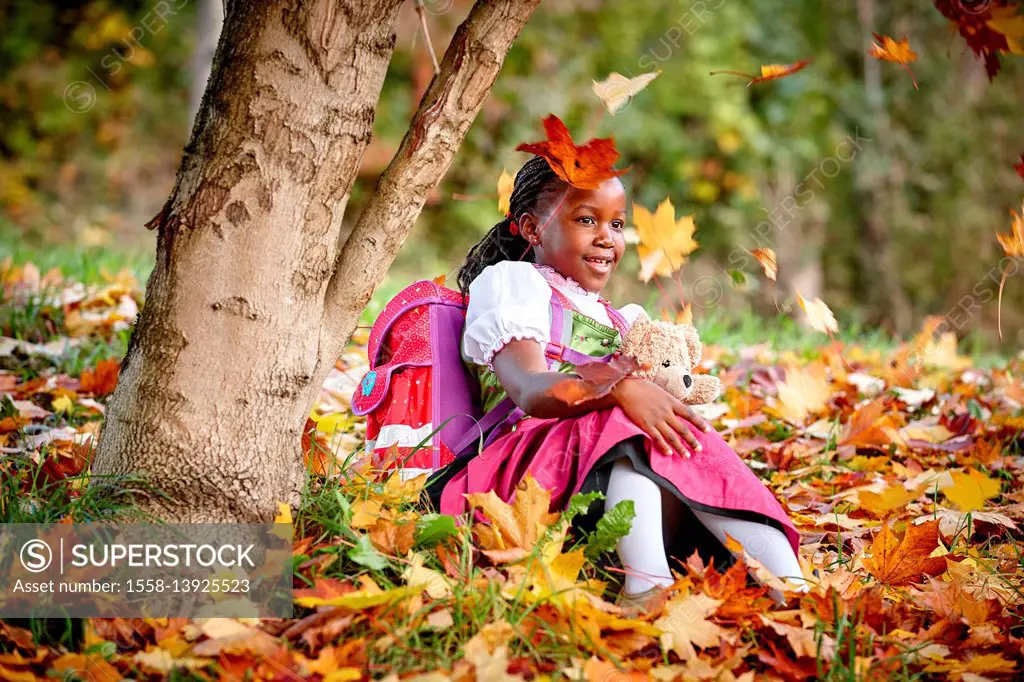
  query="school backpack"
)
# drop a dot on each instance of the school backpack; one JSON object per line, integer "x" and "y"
{"x": 421, "y": 402}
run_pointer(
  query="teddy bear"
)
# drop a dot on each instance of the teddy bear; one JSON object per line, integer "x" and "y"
{"x": 667, "y": 354}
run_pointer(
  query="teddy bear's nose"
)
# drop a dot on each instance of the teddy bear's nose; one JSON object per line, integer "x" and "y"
{"x": 687, "y": 381}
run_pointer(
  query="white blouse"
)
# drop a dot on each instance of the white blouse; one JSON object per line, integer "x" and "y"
{"x": 511, "y": 300}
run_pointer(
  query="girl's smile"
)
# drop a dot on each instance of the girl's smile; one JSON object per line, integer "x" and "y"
{"x": 583, "y": 238}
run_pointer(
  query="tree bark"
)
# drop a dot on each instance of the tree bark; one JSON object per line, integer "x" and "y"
{"x": 230, "y": 350}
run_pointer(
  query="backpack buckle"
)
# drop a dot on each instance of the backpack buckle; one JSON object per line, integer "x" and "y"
{"x": 555, "y": 350}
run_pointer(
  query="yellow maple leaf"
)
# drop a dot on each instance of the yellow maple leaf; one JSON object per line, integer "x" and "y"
{"x": 804, "y": 392}
{"x": 505, "y": 185}
{"x": 284, "y": 513}
{"x": 941, "y": 353}
{"x": 1005, "y": 20}
{"x": 62, "y": 404}
{"x": 766, "y": 257}
{"x": 665, "y": 243}
{"x": 436, "y": 584}
{"x": 891, "y": 498}
{"x": 818, "y": 315}
{"x": 685, "y": 625}
{"x": 516, "y": 527}
{"x": 616, "y": 90}
{"x": 971, "y": 489}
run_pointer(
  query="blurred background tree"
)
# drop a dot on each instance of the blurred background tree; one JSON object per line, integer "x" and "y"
{"x": 881, "y": 198}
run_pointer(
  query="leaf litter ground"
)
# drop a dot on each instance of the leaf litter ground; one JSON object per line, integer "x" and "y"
{"x": 901, "y": 468}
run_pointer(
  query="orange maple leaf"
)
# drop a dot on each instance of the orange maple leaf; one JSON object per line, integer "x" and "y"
{"x": 769, "y": 72}
{"x": 585, "y": 167}
{"x": 894, "y": 51}
{"x": 899, "y": 562}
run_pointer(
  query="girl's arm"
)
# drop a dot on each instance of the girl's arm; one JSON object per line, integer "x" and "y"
{"x": 523, "y": 372}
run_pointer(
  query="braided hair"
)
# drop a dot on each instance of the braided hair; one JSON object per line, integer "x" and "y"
{"x": 534, "y": 184}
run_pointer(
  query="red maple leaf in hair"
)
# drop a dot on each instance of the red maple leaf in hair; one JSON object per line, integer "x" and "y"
{"x": 585, "y": 167}
{"x": 1019, "y": 167}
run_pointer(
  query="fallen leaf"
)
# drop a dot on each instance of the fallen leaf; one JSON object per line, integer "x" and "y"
{"x": 686, "y": 625}
{"x": 882, "y": 504}
{"x": 971, "y": 489}
{"x": 517, "y": 526}
{"x": 805, "y": 391}
{"x": 585, "y": 167}
{"x": 896, "y": 561}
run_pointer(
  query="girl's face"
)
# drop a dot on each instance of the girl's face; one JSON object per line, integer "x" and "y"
{"x": 583, "y": 239}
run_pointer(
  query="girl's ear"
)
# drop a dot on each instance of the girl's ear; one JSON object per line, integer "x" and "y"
{"x": 529, "y": 228}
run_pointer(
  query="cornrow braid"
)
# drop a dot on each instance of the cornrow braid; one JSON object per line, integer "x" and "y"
{"x": 534, "y": 183}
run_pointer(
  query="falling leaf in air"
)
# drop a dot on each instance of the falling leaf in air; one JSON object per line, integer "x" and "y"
{"x": 586, "y": 166}
{"x": 505, "y": 185}
{"x": 439, "y": 280}
{"x": 1013, "y": 246}
{"x": 971, "y": 489}
{"x": 596, "y": 379}
{"x": 1019, "y": 167}
{"x": 891, "y": 50}
{"x": 684, "y": 316}
{"x": 769, "y": 72}
{"x": 616, "y": 90}
{"x": 818, "y": 314}
{"x": 1008, "y": 22}
{"x": 665, "y": 243}
{"x": 766, "y": 257}
{"x": 1013, "y": 243}
{"x": 895, "y": 561}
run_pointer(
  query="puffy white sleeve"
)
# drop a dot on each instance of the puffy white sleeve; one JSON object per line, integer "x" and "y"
{"x": 507, "y": 301}
{"x": 632, "y": 312}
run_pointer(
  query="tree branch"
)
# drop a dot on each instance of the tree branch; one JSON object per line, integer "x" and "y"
{"x": 448, "y": 108}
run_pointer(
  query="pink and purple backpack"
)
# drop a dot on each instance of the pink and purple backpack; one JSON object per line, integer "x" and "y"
{"x": 421, "y": 402}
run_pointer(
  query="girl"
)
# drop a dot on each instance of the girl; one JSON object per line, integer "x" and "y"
{"x": 637, "y": 443}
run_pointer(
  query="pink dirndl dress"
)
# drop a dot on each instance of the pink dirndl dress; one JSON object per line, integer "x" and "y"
{"x": 561, "y": 453}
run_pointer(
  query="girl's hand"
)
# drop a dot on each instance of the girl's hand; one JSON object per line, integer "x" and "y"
{"x": 659, "y": 414}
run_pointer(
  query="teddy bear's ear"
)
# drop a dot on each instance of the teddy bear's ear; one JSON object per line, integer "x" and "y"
{"x": 693, "y": 344}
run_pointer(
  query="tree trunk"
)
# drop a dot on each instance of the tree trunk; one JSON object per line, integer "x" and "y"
{"x": 250, "y": 303}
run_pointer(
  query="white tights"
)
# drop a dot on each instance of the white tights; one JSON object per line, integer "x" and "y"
{"x": 658, "y": 513}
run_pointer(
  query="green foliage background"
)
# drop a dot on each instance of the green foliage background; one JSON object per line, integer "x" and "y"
{"x": 933, "y": 172}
